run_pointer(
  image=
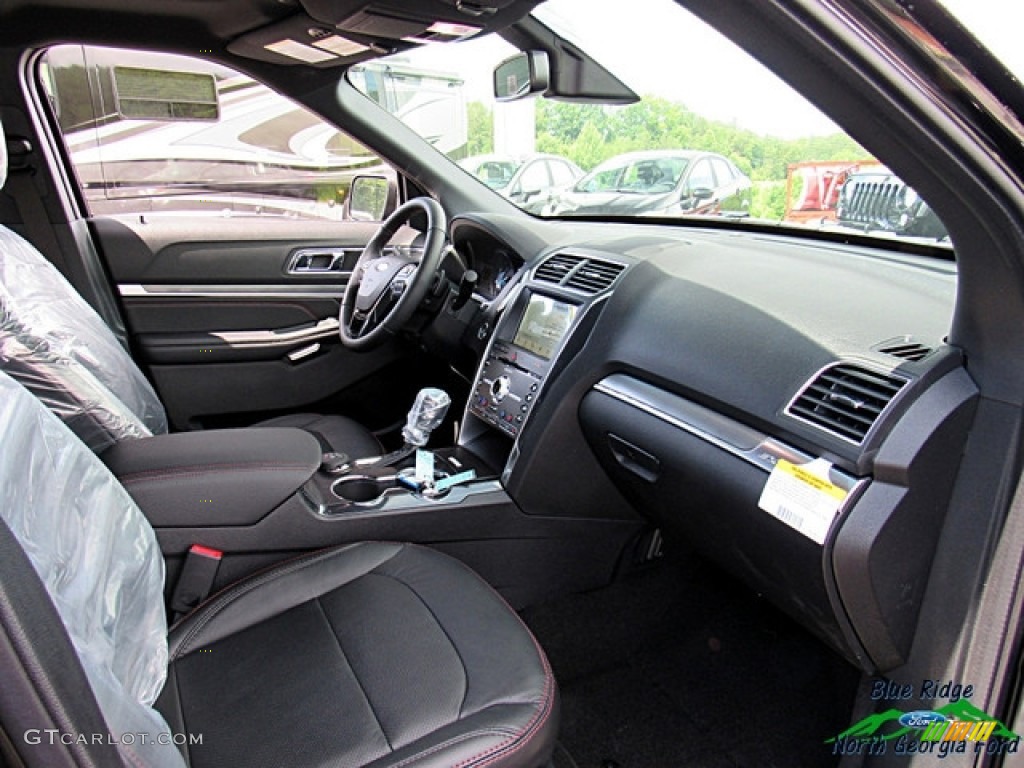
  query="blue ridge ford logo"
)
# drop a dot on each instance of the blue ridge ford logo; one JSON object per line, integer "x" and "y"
{"x": 922, "y": 718}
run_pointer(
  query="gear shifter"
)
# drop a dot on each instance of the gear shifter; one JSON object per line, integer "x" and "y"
{"x": 426, "y": 414}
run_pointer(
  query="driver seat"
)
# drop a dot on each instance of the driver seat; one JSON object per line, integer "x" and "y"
{"x": 58, "y": 347}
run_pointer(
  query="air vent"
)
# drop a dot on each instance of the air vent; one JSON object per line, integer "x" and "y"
{"x": 905, "y": 348}
{"x": 594, "y": 276}
{"x": 579, "y": 273}
{"x": 557, "y": 268}
{"x": 846, "y": 400}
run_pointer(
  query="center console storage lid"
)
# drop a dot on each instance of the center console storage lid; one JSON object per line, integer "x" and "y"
{"x": 214, "y": 478}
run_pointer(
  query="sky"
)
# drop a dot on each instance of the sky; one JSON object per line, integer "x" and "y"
{"x": 998, "y": 24}
{"x": 658, "y": 49}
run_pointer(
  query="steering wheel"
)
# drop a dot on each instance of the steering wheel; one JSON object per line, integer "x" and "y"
{"x": 386, "y": 287}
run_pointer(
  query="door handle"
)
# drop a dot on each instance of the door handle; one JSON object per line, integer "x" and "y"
{"x": 317, "y": 261}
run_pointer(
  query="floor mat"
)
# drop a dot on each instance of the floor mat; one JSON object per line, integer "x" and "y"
{"x": 679, "y": 665}
{"x": 562, "y": 758}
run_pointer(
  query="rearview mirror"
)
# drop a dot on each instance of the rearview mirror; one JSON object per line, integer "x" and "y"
{"x": 525, "y": 74}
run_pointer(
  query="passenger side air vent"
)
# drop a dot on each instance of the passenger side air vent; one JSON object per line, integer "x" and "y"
{"x": 905, "y": 348}
{"x": 846, "y": 400}
{"x": 579, "y": 273}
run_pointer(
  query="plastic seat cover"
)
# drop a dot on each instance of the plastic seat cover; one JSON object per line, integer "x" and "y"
{"x": 99, "y": 561}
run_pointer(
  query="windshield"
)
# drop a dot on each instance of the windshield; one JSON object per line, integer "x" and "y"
{"x": 495, "y": 172}
{"x": 644, "y": 174}
{"x": 713, "y": 133}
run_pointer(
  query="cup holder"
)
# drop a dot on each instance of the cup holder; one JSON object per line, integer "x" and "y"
{"x": 362, "y": 489}
{"x": 368, "y": 490}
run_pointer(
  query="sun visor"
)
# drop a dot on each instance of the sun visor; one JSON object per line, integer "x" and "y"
{"x": 343, "y": 32}
{"x": 390, "y": 19}
{"x": 301, "y": 40}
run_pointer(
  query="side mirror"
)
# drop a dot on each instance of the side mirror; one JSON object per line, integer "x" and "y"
{"x": 525, "y": 74}
{"x": 370, "y": 198}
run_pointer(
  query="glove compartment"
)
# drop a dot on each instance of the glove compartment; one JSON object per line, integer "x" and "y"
{"x": 700, "y": 476}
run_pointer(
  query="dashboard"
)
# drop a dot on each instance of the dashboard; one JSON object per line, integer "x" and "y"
{"x": 494, "y": 264}
{"x": 787, "y": 406}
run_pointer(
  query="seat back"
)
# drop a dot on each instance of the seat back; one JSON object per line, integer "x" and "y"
{"x": 56, "y": 345}
{"x": 98, "y": 559}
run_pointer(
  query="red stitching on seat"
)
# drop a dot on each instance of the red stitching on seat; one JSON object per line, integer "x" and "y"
{"x": 547, "y": 695}
{"x": 150, "y": 474}
{"x": 534, "y": 725}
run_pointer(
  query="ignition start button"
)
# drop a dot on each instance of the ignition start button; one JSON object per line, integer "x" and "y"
{"x": 500, "y": 387}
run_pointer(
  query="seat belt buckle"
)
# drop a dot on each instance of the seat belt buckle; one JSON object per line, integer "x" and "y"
{"x": 195, "y": 582}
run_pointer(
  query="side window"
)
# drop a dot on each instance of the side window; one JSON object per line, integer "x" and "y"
{"x": 534, "y": 178}
{"x": 561, "y": 174}
{"x": 701, "y": 176}
{"x": 151, "y": 133}
{"x": 723, "y": 172}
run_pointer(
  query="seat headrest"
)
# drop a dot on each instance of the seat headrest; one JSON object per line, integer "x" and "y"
{"x": 3, "y": 156}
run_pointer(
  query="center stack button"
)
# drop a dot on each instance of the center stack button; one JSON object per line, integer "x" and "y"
{"x": 500, "y": 388}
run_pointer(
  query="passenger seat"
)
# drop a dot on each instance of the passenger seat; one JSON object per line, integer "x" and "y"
{"x": 377, "y": 654}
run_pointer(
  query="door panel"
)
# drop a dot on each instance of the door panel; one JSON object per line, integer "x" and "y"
{"x": 194, "y": 394}
{"x": 155, "y": 313}
{"x": 225, "y": 323}
{"x": 213, "y": 250}
{"x": 220, "y": 209}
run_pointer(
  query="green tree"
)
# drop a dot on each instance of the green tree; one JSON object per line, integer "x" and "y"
{"x": 768, "y": 200}
{"x": 589, "y": 148}
{"x": 480, "y": 124}
{"x": 591, "y": 133}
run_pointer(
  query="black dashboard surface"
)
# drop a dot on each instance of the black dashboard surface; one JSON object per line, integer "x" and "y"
{"x": 740, "y": 322}
{"x": 723, "y": 330}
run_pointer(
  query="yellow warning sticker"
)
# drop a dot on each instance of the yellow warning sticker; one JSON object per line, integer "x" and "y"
{"x": 803, "y": 497}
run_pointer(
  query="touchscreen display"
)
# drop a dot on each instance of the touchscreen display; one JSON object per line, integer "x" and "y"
{"x": 543, "y": 325}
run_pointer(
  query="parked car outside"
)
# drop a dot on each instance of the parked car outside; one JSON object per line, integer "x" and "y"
{"x": 813, "y": 189}
{"x": 876, "y": 200}
{"x": 659, "y": 183}
{"x": 530, "y": 181}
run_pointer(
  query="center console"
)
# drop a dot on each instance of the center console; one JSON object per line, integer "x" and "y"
{"x": 262, "y": 495}
{"x": 520, "y": 357}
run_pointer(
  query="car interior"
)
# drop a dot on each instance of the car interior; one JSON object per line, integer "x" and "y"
{"x": 455, "y": 484}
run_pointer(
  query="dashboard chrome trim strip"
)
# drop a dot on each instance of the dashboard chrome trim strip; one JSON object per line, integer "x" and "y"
{"x": 744, "y": 443}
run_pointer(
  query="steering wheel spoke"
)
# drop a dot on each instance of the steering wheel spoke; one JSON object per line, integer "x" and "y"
{"x": 388, "y": 283}
{"x": 360, "y": 320}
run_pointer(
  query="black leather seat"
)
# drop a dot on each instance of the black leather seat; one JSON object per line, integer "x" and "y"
{"x": 375, "y": 654}
{"x": 56, "y": 345}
